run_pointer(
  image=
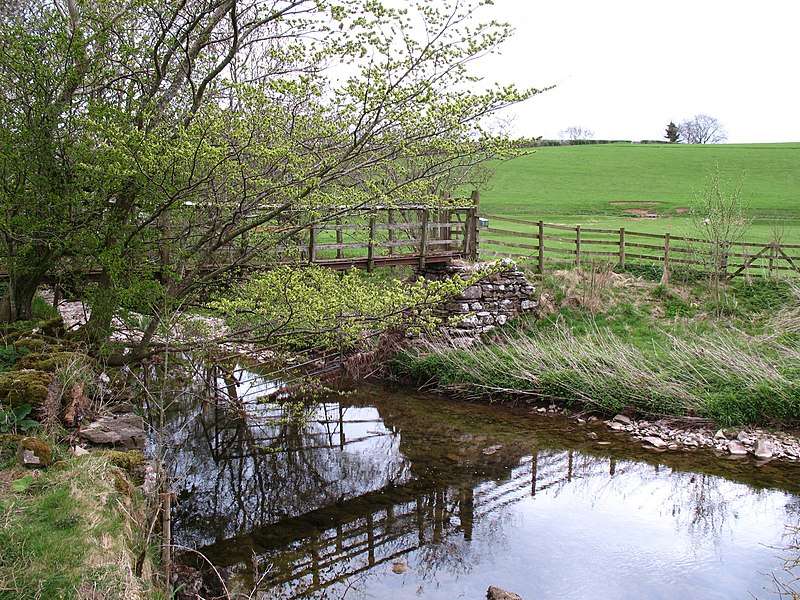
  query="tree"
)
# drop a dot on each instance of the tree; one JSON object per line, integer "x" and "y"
{"x": 575, "y": 132}
{"x": 718, "y": 217}
{"x": 142, "y": 138}
{"x": 702, "y": 129}
{"x": 673, "y": 134}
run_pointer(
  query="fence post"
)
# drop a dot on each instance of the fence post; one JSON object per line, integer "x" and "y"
{"x": 339, "y": 238}
{"x": 541, "y": 247}
{"x": 771, "y": 257}
{"x": 578, "y": 246}
{"x": 423, "y": 238}
{"x": 472, "y": 227}
{"x": 665, "y": 273}
{"x": 371, "y": 247}
{"x": 391, "y": 232}
{"x": 621, "y": 247}
{"x": 312, "y": 243}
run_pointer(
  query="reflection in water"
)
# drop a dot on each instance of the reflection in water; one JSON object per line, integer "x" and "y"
{"x": 381, "y": 495}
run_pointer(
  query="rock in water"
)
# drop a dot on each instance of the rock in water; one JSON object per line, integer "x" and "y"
{"x": 399, "y": 566}
{"x": 763, "y": 449}
{"x": 737, "y": 448}
{"x": 655, "y": 442}
{"x": 496, "y": 593}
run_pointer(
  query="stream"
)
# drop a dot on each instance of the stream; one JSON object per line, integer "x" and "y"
{"x": 381, "y": 493}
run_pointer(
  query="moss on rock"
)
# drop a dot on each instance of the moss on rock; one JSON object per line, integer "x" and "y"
{"x": 18, "y": 388}
{"x": 30, "y": 344}
{"x": 40, "y": 449}
{"x": 51, "y": 362}
{"x": 52, "y": 327}
{"x": 131, "y": 461}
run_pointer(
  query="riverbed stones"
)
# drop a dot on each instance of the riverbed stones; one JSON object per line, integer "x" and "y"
{"x": 755, "y": 442}
{"x": 655, "y": 442}
{"x": 625, "y": 420}
{"x": 763, "y": 449}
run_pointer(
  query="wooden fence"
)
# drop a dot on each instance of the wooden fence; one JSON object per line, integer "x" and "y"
{"x": 562, "y": 246}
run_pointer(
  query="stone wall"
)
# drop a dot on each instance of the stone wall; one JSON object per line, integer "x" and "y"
{"x": 489, "y": 303}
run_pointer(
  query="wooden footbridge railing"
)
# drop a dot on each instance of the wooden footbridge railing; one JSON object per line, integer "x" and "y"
{"x": 386, "y": 236}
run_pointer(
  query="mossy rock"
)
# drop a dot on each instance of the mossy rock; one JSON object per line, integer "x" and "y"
{"x": 18, "y": 388}
{"x": 30, "y": 344}
{"x": 41, "y": 450}
{"x": 52, "y": 327}
{"x": 51, "y": 361}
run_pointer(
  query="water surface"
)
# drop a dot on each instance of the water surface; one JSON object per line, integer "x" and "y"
{"x": 395, "y": 494}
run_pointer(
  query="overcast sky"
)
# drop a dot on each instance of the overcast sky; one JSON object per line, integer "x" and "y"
{"x": 625, "y": 68}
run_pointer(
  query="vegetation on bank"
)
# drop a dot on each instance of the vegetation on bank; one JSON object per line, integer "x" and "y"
{"x": 73, "y": 526}
{"x": 620, "y": 341}
{"x": 74, "y": 530}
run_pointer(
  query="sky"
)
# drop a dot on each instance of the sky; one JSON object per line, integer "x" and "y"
{"x": 625, "y": 68}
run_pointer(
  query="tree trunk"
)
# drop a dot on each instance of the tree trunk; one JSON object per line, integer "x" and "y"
{"x": 17, "y": 301}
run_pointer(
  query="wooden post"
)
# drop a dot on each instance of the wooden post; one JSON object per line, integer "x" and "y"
{"x": 622, "y": 247}
{"x": 665, "y": 273}
{"x": 423, "y": 237}
{"x": 391, "y": 231}
{"x": 339, "y": 238}
{"x": 541, "y": 247}
{"x": 447, "y": 232}
{"x": 312, "y": 243}
{"x": 578, "y": 246}
{"x": 371, "y": 247}
{"x": 472, "y": 225}
{"x": 771, "y": 257}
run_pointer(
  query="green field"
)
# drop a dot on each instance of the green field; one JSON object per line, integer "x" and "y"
{"x": 578, "y": 184}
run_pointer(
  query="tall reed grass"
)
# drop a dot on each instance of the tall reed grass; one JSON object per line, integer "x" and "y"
{"x": 727, "y": 376}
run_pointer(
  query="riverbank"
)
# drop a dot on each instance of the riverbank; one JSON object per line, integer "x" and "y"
{"x": 682, "y": 368}
{"x": 77, "y": 522}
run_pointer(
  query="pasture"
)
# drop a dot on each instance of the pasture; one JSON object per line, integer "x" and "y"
{"x": 605, "y": 186}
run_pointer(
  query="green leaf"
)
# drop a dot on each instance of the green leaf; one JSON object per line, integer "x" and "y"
{"x": 23, "y": 483}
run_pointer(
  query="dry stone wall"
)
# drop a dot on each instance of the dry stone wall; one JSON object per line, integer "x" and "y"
{"x": 503, "y": 293}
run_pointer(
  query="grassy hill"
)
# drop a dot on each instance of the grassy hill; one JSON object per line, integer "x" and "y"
{"x": 578, "y": 184}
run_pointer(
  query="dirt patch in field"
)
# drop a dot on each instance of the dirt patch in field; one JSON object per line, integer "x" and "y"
{"x": 682, "y": 210}
{"x": 635, "y": 203}
{"x": 636, "y": 211}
